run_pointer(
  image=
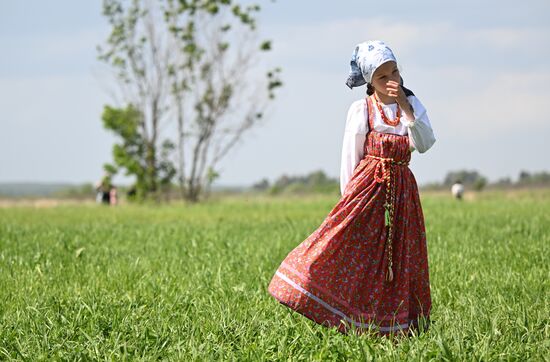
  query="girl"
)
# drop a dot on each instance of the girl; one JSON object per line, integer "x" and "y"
{"x": 366, "y": 266}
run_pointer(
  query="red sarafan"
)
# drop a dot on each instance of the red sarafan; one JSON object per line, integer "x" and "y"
{"x": 353, "y": 272}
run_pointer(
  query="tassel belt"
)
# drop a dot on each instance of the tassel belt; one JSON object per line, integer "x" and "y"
{"x": 383, "y": 173}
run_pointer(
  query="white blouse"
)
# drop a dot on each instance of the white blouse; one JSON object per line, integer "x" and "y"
{"x": 421, "y": 136}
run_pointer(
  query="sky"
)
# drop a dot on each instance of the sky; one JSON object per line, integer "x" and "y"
{"x": 481, "y": 68}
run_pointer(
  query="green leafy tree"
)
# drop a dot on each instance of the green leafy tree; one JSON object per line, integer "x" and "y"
{"x": 189, "y": 81}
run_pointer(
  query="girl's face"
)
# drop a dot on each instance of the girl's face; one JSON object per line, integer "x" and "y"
{"x": 384, "y": 73}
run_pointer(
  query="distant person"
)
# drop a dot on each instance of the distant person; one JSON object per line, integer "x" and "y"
{"x": 113, "y": 199}
{"x": 103, "y": 189}
{"x": 99, "y": 193}
{"x": 457, "y": 190}
{"x": 366, "y": 265}
{"x": 106, "y": 198}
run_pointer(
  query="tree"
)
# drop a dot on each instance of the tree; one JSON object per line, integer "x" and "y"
{"x": 479, "y": 183}
{"x": 261, "y": 185}
{"x": 468, "y": 178}
{"x": 184, "y": 69}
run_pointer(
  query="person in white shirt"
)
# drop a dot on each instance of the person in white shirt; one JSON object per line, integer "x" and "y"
{"x": 366, "y": 265}
{"x": 457, "y": 190}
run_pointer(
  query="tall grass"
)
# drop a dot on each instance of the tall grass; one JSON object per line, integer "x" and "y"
{"x": 189, "y": 282}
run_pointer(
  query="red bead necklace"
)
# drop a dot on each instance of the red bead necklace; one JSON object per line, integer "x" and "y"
{"x": 393, "y": 122}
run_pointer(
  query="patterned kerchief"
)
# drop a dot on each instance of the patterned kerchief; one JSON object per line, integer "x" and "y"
{"x": 365, "y": 59}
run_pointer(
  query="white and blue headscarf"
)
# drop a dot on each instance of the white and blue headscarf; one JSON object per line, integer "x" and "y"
{"x": 366, "y": 58}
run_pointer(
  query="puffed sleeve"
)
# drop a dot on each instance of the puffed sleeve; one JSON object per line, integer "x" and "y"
{"x": 353, "y": 143}
{"x": 421, "y": 135}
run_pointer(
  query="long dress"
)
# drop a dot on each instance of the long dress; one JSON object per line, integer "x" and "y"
{"x": 366, "y": 266}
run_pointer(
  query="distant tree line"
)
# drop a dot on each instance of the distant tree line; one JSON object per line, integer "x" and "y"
{"x": 319, "y": 182}
{"x": 316, "y": 182}
{"x": 475, "y": 181}
{"x": 536, "y": 178}
{"x": 471, "y": 179}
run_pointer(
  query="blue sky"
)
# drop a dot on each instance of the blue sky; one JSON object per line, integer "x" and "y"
{"x": 481, "y": 69}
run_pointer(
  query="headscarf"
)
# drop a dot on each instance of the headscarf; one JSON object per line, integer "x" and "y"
{"x": 366, "y": 58}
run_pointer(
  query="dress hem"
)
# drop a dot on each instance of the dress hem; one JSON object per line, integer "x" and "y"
{"x": 332, "y": 317}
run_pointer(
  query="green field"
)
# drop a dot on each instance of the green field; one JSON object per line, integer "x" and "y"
{"x": 187, "y": 283}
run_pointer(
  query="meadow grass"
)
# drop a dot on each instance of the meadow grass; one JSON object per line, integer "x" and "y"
{"x": 189, "y": 282}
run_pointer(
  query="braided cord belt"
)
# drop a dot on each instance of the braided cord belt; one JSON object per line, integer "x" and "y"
{"x": 383, "y": 173}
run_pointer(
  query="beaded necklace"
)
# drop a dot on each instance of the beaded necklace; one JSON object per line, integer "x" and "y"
{"x": 385, "y": 119}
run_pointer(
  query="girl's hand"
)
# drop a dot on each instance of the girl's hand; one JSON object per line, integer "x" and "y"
{"x": 396, "y": 91}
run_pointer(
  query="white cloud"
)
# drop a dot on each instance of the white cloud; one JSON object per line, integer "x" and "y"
{"x": 407, "y": 38}
{"x": 509, "y": 38}
{"x": 339, "y": 37}
{"x": 507, "y": 102}
{"x": 497, "y": 95}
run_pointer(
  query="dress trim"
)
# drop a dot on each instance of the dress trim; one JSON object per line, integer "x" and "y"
{"x": 338, "y": 312}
